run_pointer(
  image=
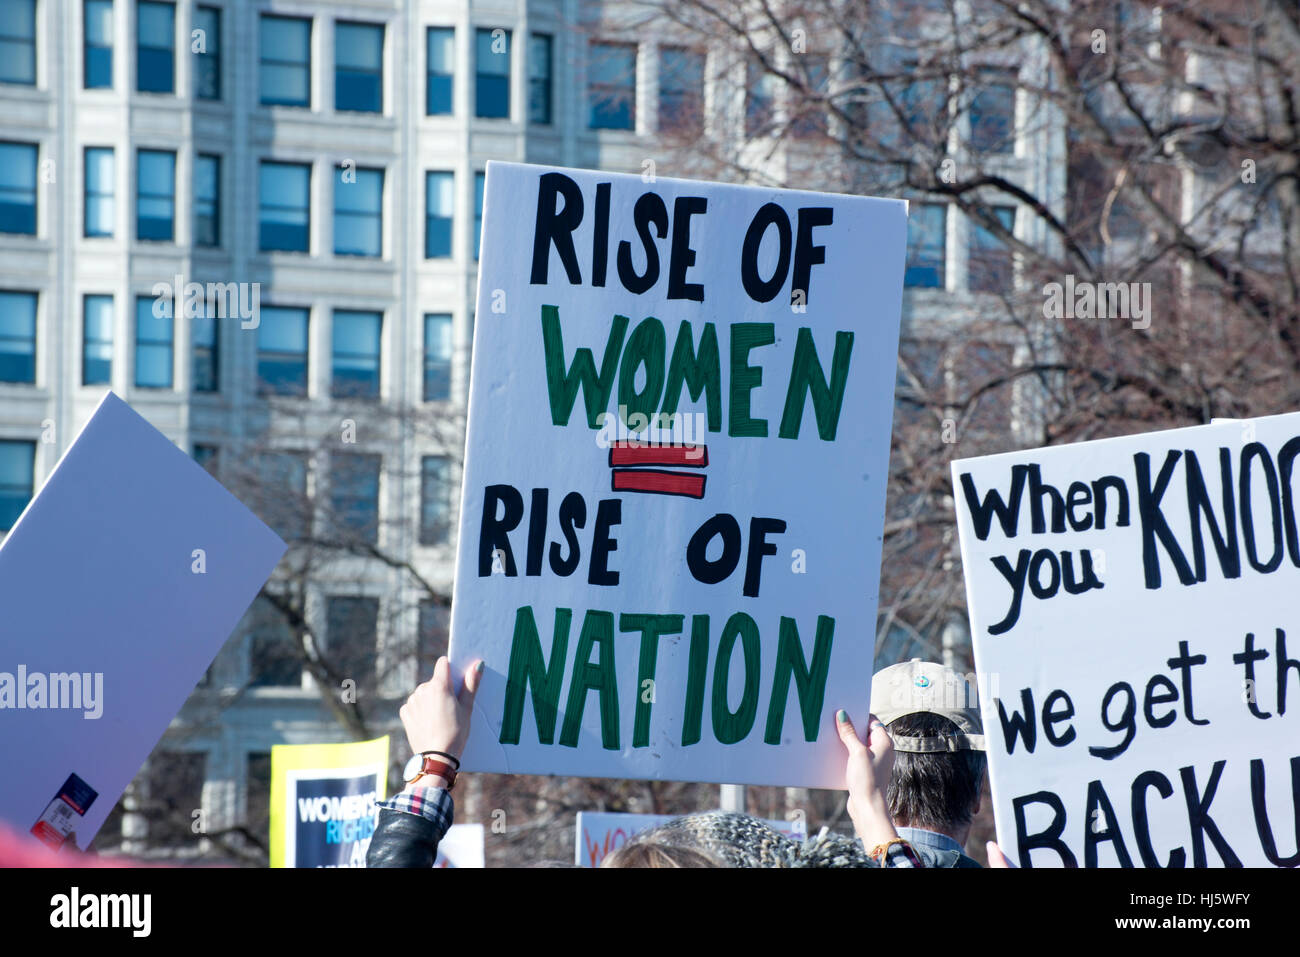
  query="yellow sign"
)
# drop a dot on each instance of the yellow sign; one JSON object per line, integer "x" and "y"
{"x": 323, "y": 802}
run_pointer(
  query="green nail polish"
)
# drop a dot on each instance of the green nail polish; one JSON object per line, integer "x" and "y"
{"x": 842, "y": 715}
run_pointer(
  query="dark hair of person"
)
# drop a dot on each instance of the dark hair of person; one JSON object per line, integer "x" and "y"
{"x": 934, "y": 791}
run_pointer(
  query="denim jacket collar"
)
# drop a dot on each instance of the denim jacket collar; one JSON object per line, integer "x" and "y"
{"x": 923, "y": 838}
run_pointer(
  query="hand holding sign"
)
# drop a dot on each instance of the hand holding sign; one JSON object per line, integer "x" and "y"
{"x": 435, "y": 716}
{"x": 867, "y": 777}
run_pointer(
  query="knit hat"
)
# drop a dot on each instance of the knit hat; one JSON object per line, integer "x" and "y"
{"x": 738, "y": 840}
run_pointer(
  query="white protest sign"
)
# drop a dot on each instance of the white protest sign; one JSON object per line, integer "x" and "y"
{"x": 688, "y": 599}
{"x": 119, "y": 584}
{"x": 600, "y": 833}
{"x": 1137, "y": 642}
{"x": 461, "y": 846}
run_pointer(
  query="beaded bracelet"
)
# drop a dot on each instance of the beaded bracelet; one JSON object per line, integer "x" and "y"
{"x": 880, "y": 852}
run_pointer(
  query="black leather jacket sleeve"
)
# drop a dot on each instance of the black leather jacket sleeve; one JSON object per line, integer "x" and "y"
{"x": 403, "y": 840}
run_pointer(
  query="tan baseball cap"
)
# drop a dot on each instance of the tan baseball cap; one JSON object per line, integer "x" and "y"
{"x": 916, "y": 686}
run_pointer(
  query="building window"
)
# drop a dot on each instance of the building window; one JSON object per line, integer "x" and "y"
{"x": 155, "y": 195}
{"x": 18, "y": 42}
{"x": 539, "y": 78}
{"x": 922, "y": 104}
{"x": 206, "y": 345}
{"x": 993, "y": 112}
{"x": 492, "y": 74}
{"x": 206, "y": 456}
{"x": 282, "y": 351}
{"x": 352, "y": 630}
{"x": 437, "y": 357}
{"x": 257, "y": 795}
{"x": 358, "y": 212}
{"x": 280, "y": 494}
{"x": 990, "y": 256}
{"x": 611, "y": 86}
{"x": 274, "y": 657}
{"x": 681, "y": 90}
{"x": 98, "y": 62}
{"x": 811, "y": 120}
{"x": 207, "y": 62}
{"x": 100, "y": 210}
{"x": 440, "y": 204}
{"x": 17, "y": 479}
{"x": 285, "y": 71}
{"x": 207, "y": 200}
{"x": 479, "y": 180}
{"x": 359, "y": 67}
{"x": 18, "y": 337}
{"x": 18, "y": 188}
{"x": 760, "y": 99}
{"x": 926, "y": 244}
{"x": 435, "y": 500}
{"x": 440, "y": 82}
{"x": 1125, "y": 222}
{"x": 356, "y": 353}
{"x": 153, "y": 342}
{"x": 173, "y": 791}
{"x": 354, "y": 495}
{"x": 284, "y": 212}
{"x": 155, "y": 47}
{"x": 432, "y": 637}
{"x": 97, "y": 341}
{"x": 273, "y": 660}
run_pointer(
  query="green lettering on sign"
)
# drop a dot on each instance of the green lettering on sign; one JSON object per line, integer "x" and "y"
{"x": 597, "y": 630}
{"x": 645, "y": 347}
{"x": 528, "y": 666}
{"x": 652, "y": 628}
{"x": 563, "y": 385}
{"x": 699, "y": 370}
{"x": 806, "y": 376}
{"x": 728, "y": 726}
{"x": 810, "y": 682}
{"x": 745, "y": 378}
{"x": 696, "y": 670}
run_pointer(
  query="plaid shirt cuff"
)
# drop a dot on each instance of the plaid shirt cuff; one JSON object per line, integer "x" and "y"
{"x": 432, "y": 804}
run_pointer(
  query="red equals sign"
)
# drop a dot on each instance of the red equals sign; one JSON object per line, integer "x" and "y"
{"x": 629, "y": 463}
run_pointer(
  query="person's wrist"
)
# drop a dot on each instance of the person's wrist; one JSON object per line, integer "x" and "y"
{"x": 871, "y": 821}
{"x": 428, "y": 781}
{"x": 445, "y": 752}
{"x": 876, "y": 832}
{"x": 871, "y": 806}
{"x": 453, "y": 748}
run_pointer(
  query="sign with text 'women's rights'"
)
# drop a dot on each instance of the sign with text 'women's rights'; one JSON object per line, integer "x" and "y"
{"x": 1137, "y": 640}
{"x": 674, "y": 486}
